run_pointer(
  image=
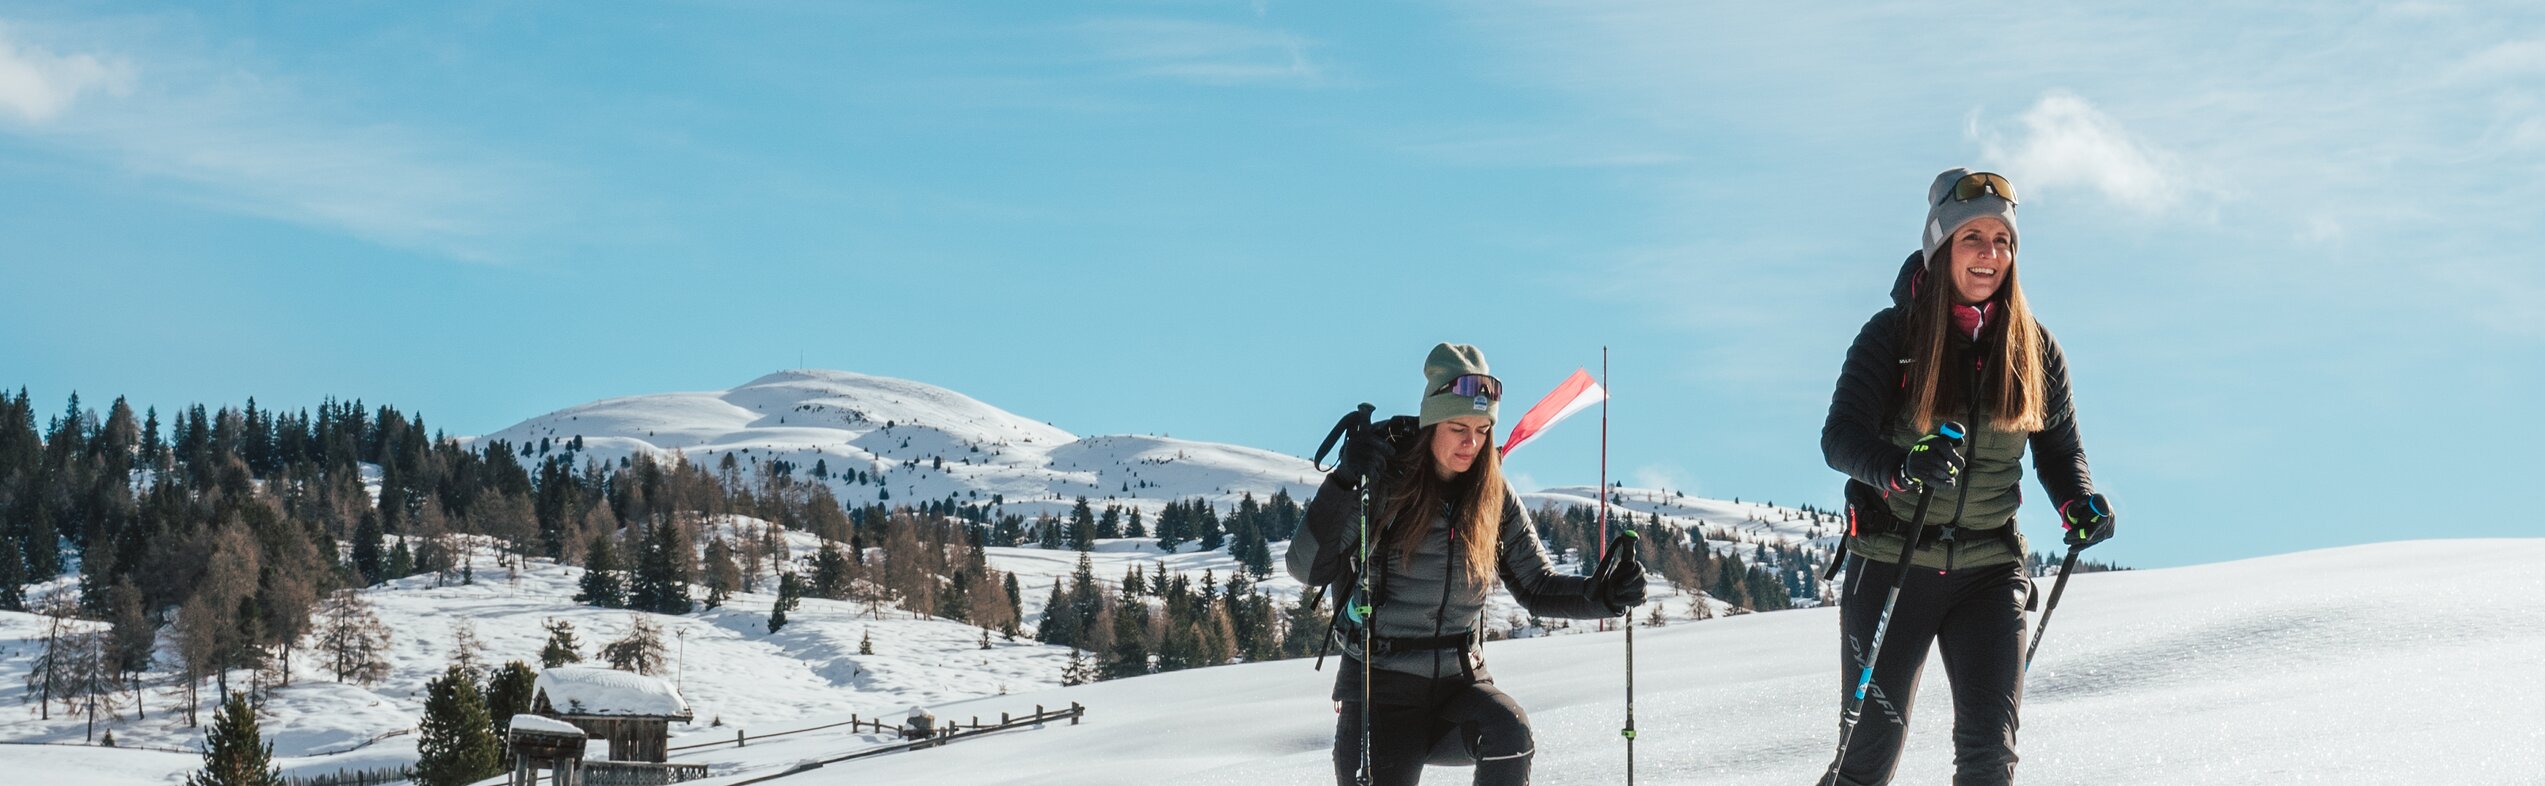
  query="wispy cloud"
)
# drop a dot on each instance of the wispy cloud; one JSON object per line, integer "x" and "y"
{"x": 37, "y": 84}
{"x": 250, "y": 142}
{"x": 1205, "y": 53}
{"x": 2066, "y": 141}
{"x": 2507, "y": 59}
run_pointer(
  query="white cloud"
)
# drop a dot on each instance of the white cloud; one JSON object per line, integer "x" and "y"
{"x": 1204, "y": 52}
{"x": 229, "y": 137}
{"x": 2067, "y": 141}
{"x": 2505, "y": 60}
{"x": 38, "y": 85}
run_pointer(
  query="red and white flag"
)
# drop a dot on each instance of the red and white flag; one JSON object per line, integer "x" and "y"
{"x": 1577, "y": 393}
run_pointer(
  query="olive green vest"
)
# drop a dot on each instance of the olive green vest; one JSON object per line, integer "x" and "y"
{"x": 1990, "y": 479}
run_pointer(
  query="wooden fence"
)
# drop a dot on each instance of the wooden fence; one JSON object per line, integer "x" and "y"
{"x": 946, "y": 734}
{"x": 639, "y": 773}
{"x": 945, "y": 730}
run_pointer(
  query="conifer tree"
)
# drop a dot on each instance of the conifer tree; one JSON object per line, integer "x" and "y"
{"x": 1109, "y": 524}
{"x": 508, "y": 693}
{"x": 1082, "y": 527}
{"x": 455, "y": 742}
{"x": 562, "y": 647}
{"x": 1130, "y": 655}
{"x": 865, "y": 642}
{"x": 234, "y": 753}
{"x": 367, "y": 547}
{"x": 777, "y": 610}
{"x": 601, "y": 585}
{"x": 661, "y": 582}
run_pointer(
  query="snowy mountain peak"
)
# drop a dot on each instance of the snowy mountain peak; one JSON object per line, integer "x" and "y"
{"x": 882, "y": 439}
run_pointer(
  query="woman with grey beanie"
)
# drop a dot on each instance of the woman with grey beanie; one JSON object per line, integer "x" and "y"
{"x": 1958, "y": 343}
{"x": 1443, "y": 525}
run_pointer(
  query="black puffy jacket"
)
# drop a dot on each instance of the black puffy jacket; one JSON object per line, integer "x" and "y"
{"x": 1868, "y": 433}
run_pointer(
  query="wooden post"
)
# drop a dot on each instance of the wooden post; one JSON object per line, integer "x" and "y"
{"x": 1076, "y": 712}
{"x": 737, "y": 738}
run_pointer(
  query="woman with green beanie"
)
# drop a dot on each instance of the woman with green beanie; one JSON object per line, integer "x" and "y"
{"x": 1959, "y": 343}
{"x": 1443, "y": 525}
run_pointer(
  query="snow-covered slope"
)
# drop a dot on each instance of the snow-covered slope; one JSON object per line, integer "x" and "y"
{"x": 925, "y": 443}
{"x": 2390, "y": 663}
{"x": 2383, "y": 664}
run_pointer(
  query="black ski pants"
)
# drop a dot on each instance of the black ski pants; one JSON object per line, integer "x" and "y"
{"x": 1975, "y": 618}
{"x": 1411, "y": 716}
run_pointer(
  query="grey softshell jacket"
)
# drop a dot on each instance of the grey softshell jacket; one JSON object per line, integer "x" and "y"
{"x": 1427, "y": 595}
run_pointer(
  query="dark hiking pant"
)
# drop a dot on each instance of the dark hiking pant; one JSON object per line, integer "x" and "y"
{"x": 1412, "y": 718}
{"x": 1975, "y": 618}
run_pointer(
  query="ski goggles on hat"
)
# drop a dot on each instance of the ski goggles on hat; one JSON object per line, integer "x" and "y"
{"x": 1473, "y": 385}
{"x": 1977, "y": 184}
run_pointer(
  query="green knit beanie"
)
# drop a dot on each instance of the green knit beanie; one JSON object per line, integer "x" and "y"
{"x": 1449, "y": 362}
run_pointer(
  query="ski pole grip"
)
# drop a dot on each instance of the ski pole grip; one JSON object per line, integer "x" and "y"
{"x": 1951, "y": 430}
{"x": 1618, "y": 549}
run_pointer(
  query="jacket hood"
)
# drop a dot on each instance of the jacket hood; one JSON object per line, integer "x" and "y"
{"x": 1903, "y": 284}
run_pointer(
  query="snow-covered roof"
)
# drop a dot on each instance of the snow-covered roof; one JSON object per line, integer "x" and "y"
{"x": 582, "y": 690}
{"x": 543, "y": 725}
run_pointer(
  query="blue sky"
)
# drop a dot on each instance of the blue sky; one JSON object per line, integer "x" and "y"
{"x": 2289, "y": 249}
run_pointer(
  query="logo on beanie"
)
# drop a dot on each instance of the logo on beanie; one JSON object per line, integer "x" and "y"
{"x": 1483, "y": 403}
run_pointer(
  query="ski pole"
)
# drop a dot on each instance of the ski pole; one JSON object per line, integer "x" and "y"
{"x": 1620, "y": 550}
{"x": 2066, "y": 566}
{"x": 1952, "y": 432}
{"x": 1361, "y": 607}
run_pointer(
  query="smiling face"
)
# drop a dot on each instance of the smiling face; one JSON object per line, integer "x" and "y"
{"x": 1456, "y": 441}
{"x": 1983, "y": 254}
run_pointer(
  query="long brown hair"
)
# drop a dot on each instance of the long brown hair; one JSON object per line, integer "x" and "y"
{"x": 2011, "y": 387}
{"x": 1474, "y": 499}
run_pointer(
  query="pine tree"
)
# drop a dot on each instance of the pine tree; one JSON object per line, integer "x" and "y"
{"x": 786, "y": 600}
{"x": 13, "y": 576}
{"x": 601, "y": 584}
{"x": 508, "y": 694}
{"x": 865, "y": 642}
{"x": 562, "y": 647}
{"x": 455, "y": 742}
{"x": 723, "y": 576}
{"x": 661, "y": 583}
{"x": 1130, "y": 655}
{"x": 234, "y": 753}
{"x": 1109, "y": 525}
{"x": 1015, "y": 608}
{"x": 1082, "y": 527}
{"x": 367, "y": 547}
{"x": 1079, "y": 670}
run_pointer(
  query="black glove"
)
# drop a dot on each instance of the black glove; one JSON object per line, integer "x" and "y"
{"x": 1934, "y": 460}
{"x": 1365, "y": 455}
{"x": 1624, "y": 588}
{"x": 2089, "y": 520}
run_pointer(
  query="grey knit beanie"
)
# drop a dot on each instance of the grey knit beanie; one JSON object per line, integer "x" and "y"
{"x": 1449, "y": 362}
{"x": 1946, "y": 215}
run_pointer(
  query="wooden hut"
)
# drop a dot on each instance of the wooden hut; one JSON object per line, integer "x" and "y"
{"x": 632, "y": 711}
{"x": 540, "y": 743}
